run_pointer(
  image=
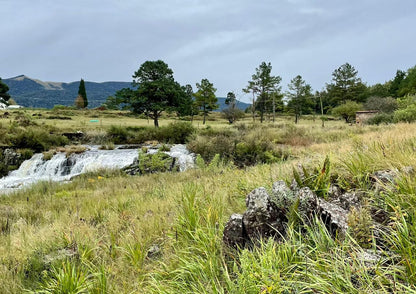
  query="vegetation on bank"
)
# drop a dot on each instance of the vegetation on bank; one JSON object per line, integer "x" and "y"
{"x": 106, "y": 232}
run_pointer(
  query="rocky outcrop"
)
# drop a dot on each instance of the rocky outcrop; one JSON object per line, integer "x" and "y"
{"x": 267, "y": 215}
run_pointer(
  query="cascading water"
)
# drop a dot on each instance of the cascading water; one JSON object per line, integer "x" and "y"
{"x": 63, "y": 168}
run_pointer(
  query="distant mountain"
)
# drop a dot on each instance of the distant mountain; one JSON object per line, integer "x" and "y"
{"x": 35, "y": 93}
{"x": 30, "y": 92}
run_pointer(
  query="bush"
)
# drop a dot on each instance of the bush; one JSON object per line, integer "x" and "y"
{"x": 407, "y": 114}
{"x": 36, "y": 139}
{"x": 380, "y": 118}
{"x": 177, "y": 132}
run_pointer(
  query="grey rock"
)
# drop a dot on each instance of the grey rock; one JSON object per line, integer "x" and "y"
{"x": 348, "y": 200}
{"x": 334, "y": 217}
{"x": 308, "y": 203}
{"x": 11, "y": 157}
{"x": 282, "y": 195}
{"x": 154, "y": 251}
{"x": 262, "y": 219}
{"x": 234, "y": 234}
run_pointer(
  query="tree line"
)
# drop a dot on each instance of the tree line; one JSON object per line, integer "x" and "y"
{"x": 154, "y": 90}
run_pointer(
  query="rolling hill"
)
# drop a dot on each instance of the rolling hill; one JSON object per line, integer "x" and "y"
{"x": 35, "y": 93}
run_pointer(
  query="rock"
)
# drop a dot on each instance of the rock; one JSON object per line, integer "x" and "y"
{"x": 234, "y": 234}
{"x": 283, "y": 197}
{"x": 11, "y": 157}
{"x": 154, "y": 251}
{"x": 334, "y": 191}
{"x": 348, "y": 200}
{"x": 308, "y": 203}
{"x": 384, "y": 176}
{"x": 262, "y": 219}
{"x": 334, "y": 217}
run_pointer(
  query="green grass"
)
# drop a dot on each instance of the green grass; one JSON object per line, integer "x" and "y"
{"x": 94, "y": 233}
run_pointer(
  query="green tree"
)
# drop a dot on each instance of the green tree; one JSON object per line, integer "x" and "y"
{"x": 382, "y": 104}
{"x": 299, "y": 97}
{"x": 3, "y": 91}
{"x": 187, "y": 106}
{"x": 205, "y": 97}
{"x": 346, "y": 86}
{"x": 347, "y": 110}
{"x": 408, "y": 84}
{"x": 232, "y": 113}
{"x": 263, "y": 84}
{"x": 83, "y": 93}
{"x": 396, "y": 83}
{"x": 154, "y": 91}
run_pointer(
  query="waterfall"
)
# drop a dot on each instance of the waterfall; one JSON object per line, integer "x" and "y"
{"x": 62, "y": 167}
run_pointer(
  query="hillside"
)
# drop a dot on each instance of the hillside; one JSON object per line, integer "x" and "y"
{"x": 35, "y": 93}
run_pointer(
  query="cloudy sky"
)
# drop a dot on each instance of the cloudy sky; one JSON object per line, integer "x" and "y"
{"x": 222, "y": 40}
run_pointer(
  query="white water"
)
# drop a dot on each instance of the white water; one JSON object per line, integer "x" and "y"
{"x": 62, "y": 168}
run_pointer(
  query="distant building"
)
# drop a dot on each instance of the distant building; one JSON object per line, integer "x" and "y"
{"x": 14, "y": 106}
{"x": 3, "y": 106}
{"x": 362, "y": 116}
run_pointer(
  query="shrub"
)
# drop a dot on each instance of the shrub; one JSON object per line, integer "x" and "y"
{"x": 380, "y": 118}
{"x": 118, "y": 134}
{"x": 36, "y": 139}
{"x": 407, "y": 114}
{"x": 177, "y": 132}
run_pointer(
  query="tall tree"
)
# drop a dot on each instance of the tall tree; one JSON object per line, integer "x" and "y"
{"x": 154, "y": 91}
{"x": 3, "y": 91}
{"x": 346, "y": 85}
{"x": 205, "y": 97}
{"x": 263, "y": 84}
{"x": 186, "y": 106}
{"x": 299, "y": 97}
{"x": 83, "y": 93}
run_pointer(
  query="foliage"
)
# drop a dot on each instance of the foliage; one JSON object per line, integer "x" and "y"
{"x": 157, "y": 91}
{"x": 407, "y": 114}
{"x": 79, "y": 102}
{"x": 262, "y": 85}
{"x": 4, "y": 95}
{"x": 318, "y": 181}
{"x": 380, "y": 118}
{"x": 299, "y": 97}
{"x": 154, "y": 163}
{"x": 232, "y": 113}
{"x": 82, "y": 93}
{"x": 205, "y": 97}
{"x": 382, "y": 104}
{"x": 346, "y": 86}
{"x": 347, "y": 110}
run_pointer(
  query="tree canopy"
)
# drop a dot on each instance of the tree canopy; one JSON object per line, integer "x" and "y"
{"x": 205, "y": 97}
{"x": 299, "y": 97}
{"x": 81, "y": 101}
{"x": 263, "y": 84}
{"x": 346, "y": 86}
{"x": 155, "y": 91}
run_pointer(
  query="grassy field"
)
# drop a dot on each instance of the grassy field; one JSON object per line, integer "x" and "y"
{"x": 106, "y": 232}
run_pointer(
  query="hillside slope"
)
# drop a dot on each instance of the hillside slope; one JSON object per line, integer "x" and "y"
{"x": 35, "y": 93}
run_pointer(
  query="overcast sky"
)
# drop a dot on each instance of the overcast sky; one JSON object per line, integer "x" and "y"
{"x": 221, "y": 40}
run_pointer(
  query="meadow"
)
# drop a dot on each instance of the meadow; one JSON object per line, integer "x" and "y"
{"x": 106, "y": 232}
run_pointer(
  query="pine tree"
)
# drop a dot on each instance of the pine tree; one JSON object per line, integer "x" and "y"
{"x": 83, "y": 93}
{"x": 205, "y": 97}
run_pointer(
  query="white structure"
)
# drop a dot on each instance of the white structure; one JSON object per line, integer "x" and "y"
{"x": 14, "y": 107}
{"x": 3, "y": 106}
